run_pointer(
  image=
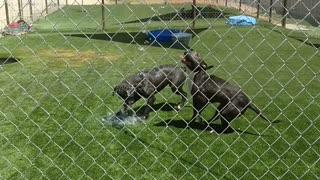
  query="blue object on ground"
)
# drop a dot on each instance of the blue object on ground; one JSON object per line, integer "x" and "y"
{"x": 183, "y": 38}
{"x": 169, "y": 36}
{"x": 241, "y": 21}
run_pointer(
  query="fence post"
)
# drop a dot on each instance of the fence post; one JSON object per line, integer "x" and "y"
{"x": 284, "y": 13}
{"x": 226, "y": 3}
{"x": 20, "y": 9}
{"x": 194, "y": 14}
{"x": 30, "y": 8}
{"x": 258, "y": 9}
{"x": 270, "y": 11}
{"x": 46, "y": 3}
{"x": 103, "y": 16}
{"x": 7, "y": 11}
{"x": 240, "y": 4}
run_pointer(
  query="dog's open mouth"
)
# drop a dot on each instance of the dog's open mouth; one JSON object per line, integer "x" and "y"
{"x": 183, "y": 59}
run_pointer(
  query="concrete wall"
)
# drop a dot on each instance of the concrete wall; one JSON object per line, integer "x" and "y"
{"x": 308, "y": 10}
{"x": 21, "y": 9}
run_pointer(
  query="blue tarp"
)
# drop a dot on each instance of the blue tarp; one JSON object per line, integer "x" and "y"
{"x": 241, "y": 21}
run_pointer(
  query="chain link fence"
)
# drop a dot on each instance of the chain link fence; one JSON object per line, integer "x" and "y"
{"x": 64, "y": 86}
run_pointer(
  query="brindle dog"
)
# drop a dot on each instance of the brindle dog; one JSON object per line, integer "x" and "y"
{"x": 212, "y": 89}
{"x": 147, "y": 83}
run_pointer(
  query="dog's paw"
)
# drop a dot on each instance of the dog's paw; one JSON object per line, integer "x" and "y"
{"x": 213, "y": 131}
{"x": 178, "y": 108}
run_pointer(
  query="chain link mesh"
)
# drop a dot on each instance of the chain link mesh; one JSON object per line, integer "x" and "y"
{"x": 58, "y": 84}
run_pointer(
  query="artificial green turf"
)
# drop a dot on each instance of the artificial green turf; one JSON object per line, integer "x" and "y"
{"x": 53, "y": 101}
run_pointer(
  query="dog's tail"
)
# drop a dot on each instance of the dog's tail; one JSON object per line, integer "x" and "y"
{"x": 256, "y": 110}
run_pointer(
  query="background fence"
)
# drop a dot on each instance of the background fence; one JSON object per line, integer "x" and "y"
{"x": 58, "y": 106}
{"x": 29, "y": 10}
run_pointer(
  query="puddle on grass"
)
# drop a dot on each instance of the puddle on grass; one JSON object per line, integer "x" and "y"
{"x": 121, "y": 119}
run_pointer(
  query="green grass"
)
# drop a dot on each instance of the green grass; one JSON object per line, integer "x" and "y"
{"x": 52, "y": 103}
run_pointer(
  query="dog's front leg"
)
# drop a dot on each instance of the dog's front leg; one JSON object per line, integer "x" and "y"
{"x": 126, "y": 110}
{"x": 148, "y": 109}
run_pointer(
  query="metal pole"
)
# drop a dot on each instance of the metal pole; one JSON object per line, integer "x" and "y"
{"x": 46, "y": 2}
{"x": 270, "y": 11}
{"x": 103, "y": 16}
{"x": 194, "y": 13}
{"x": 19, "y": 7}
{"x": 7, "y": 11}
{"x": 30, "y": 8}
{"x": 258, "y": 9}
{"x": 284, "y": 13}
{"x": 240, "y": 4}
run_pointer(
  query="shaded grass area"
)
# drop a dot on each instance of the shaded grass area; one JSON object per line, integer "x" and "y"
{"x": 53, "y": 100}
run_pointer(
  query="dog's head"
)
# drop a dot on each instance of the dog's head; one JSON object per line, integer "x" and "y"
{"x": 193, "y": 61}
{"x": 127, "y": 92}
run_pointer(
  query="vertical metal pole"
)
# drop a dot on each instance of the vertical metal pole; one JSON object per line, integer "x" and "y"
{"x": 194, "y": 13}
{"x": 103, "y": 16}
{"x": 270, "y": 11}
{"x": 46, "y": 3}
{"x": 7, "y": 11}
{"x": 31, "y": 11}
{"x": 66, "y": 2}
{"x": 226, "y": 3}
{"x": 58, "y": 2}
{"x": 240, "y": 4}
{"x": 19, "y": 7}
{"x": 258, "y": 9}
{"x": 284, "y": 13}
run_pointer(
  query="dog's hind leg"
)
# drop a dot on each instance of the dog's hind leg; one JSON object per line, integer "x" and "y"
{"x": 199, "y": 103}
{"x": 148, "y": 109}
{"x": 179, "y": 91}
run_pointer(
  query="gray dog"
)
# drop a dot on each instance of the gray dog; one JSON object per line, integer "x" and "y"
{"x": 211, "y": 89}
{"x": 147, "y": 83}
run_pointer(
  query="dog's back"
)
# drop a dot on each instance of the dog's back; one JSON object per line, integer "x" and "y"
{"x": 216, "y": 89}
{"x": 161, "y": 76}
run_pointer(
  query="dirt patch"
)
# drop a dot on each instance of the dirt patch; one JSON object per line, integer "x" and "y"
{"x": 295, "y": 27}
{"x": 75, "y": 58}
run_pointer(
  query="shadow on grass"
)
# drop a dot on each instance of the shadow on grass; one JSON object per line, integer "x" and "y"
{"x": 195, "y": 125}
{"x": 135, "y": 38}
{"x": 217, "y": 128}
{"x": 299, "y": 36}
{"x": 157, "y": 107}
{"x": 182, "y": 14}
{"x": 313, "y": 42}
{"x": 8, "y": 60}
